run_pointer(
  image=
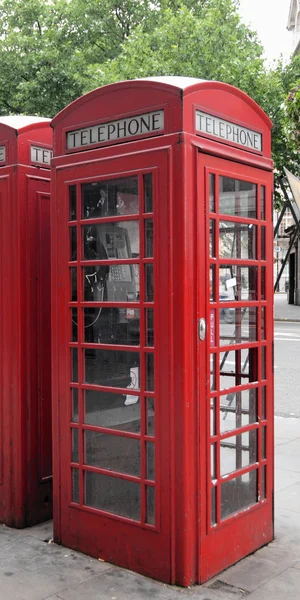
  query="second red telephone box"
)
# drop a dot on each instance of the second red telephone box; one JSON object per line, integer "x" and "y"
{"x": 25, "y": 344}
{"x": 162, "y": 327}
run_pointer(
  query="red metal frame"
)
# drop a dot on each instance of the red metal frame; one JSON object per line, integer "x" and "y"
{"x": 182, "y": 547}
{"x": 26, "y": 486}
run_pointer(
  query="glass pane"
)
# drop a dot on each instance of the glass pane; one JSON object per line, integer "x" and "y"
{"x": 111, "y": 283}
{"x": 112, "y": 326}
{"x": 75, "y": 451}
{"x": 237, "y": 240}
{"x": 111, "y": 241}
{"x": 110, "y": 198}
{"x": 75, "y": 485}
{"x": 213, "y": 416}
{"x": 263, "y": 283}
{"x": 73, "y": 283}
{"x": 238, "y": 325}
{"x": 74, "y": 365}
{"x": 212, "y": 281}
{"x": 262, "y": 202}
{"x": 112, "y": 452}
{"x": 150, "y": 513}
{"x": 263, "y": 243}
{"x": 237, "y": 283}
{"x": 149, "y": 371}
{"x": 263, "y": 323}
{"x": 212, "y": 327}
{"x": 238, "y": 451}
{"x": 111, "y": 368}
{"x": 213, "y": 364}
{"x": 212, "y": 237}
{"x": 106, "y": 409}
{"x": 213, "y": 461}
{"x": 150, "y": 416}
{"x": 73, "y": 243}
{"x": 212, "y": 187}
{"x": 263, "y": 403}
{"x": 238, "y": 493}
{"x": 149, "y": 283}
{"x": 72, "y": 202}
{"x": 237, "y": 197}
{"x": 263, "y": 362}
{"x": 112, "y": 494}
{"x": 213, "y": 517}
{"x": 74, "y": 325}
{"x": 238, "y": 367}
{"x": 148, "y": 194}
{"x": 150, "y": 470}
{"x": 263, "y": 442}
{"x": 149, "y": 324}
{"x": 74, "y": 393}
{"x": 149, "y": 241}
{"x": 238, "y": 409}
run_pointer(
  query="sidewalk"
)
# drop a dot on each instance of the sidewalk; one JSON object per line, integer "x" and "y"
{"x": 33, "y": 569}
{"x": 284, "y": 311}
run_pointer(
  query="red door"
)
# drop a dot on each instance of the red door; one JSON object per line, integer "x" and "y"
{"x": 235, "y": 357}
{"x": 110, "y": 397}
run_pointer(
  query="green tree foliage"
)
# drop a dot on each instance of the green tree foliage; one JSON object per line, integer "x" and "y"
{"x": 52, "y": 51}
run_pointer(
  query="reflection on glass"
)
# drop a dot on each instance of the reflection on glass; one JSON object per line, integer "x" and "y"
{"x": 149, "y": 325}
{"x": 150, "y": 512}
{"x": 111, "y": 410}
{"x": 75, "y": 450}
{"x": 238, "y": 451}
{"x": 112, "y": 452}
{"x": 263, "y": 402}
{"x": 238, "y": 367}
{"x": 150, "y": 416}
{"x": 263, "y": 283}
{"x": 111, "y": 283}
{"x": 148, "y": 193}
{"x": 213, "y": 511}
{"x": 149, "y": 283}
{"x": 149, "y": 238}
{"x": 73, "y": 243}
{"x": 73, "y": 282}
{"x": 237, "y": 240}
{"x": 106, "y": 241}
{"x": 238, "y": 409}
{"x": 74, "y": 325}
{"x": 263, "y": 362}
{"x": 75, "y": 485}
{"x": 149, "y": 357}
{"x": 111, "y": 368}
{"x": 238, "y": 493}
{"x": 237, "y": 197}
{"x": 212, "y": 327}
{"x": 212, "y": 279}
{"x": 72, "y": 202}
{"x": 112, "y": 494}
{"x": 110, "y": 198}
{"x": 212, "y": 237}
{"x": 74, "y": 365}
{"x": 213, "y": 461}
{"x": 263, "y": 243}
{"x": 212, "y": 187}
{"x": 213, "y": 416}
{"x": 263, "y": 442}
{"x": 238, "y": 325}
{"x": 112, "y": 326}
{"x": 262, "y": 202}
{"x": 74, "y": 392}
{"x": 213, "y": 363}
{"x": 237, "y": 283}
{"x": 150, "y": 453}
{"x": 263, "y": 323}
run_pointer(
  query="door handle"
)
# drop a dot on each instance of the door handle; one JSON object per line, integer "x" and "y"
{"x": 202, "y": 329}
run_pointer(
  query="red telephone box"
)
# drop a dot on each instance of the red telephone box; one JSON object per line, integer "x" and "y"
{"x": 162, "y": 327}
{"x": 25, "y": 351}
